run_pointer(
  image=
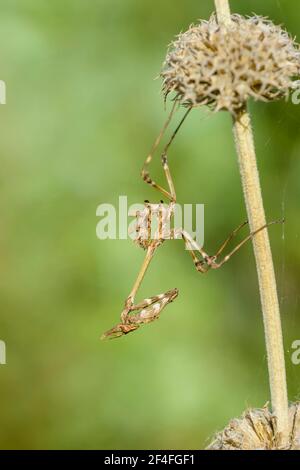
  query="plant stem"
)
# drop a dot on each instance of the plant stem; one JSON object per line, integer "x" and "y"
{"x": 265, "y": 270}
{"x": 223, "y": 12}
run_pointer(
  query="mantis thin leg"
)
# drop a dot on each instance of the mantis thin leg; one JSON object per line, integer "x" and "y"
{"x": 208, "y": 261}
{"x": 170, "y": 192}
{"x": 130, "y": 299}
{"x": 242, "y": 243}
{"x": 230, "y": 237}
{"x": 193, "y": 247}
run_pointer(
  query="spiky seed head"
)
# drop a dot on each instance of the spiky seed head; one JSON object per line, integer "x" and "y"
{"x": 222, "y": 66}
{"x": 257, "y": 430}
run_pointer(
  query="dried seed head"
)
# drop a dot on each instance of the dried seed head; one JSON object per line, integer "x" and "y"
{"x": 222, "y": 67}
{"x": 256, "y": 430}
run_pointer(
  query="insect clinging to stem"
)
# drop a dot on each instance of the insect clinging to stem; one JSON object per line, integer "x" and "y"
{"x": 134, "y": 315}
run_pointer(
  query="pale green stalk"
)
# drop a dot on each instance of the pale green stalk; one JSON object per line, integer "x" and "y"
{"x": 266, "y": 277}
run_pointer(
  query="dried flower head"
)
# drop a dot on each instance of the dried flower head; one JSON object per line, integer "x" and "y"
{"x": 222, "y": 67}
{"x": 256, "y": 430}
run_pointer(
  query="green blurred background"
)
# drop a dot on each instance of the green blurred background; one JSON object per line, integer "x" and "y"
{"x": 82, "y": 110}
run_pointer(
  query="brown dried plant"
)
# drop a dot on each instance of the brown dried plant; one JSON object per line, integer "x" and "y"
{"x": 257, "y": 430}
